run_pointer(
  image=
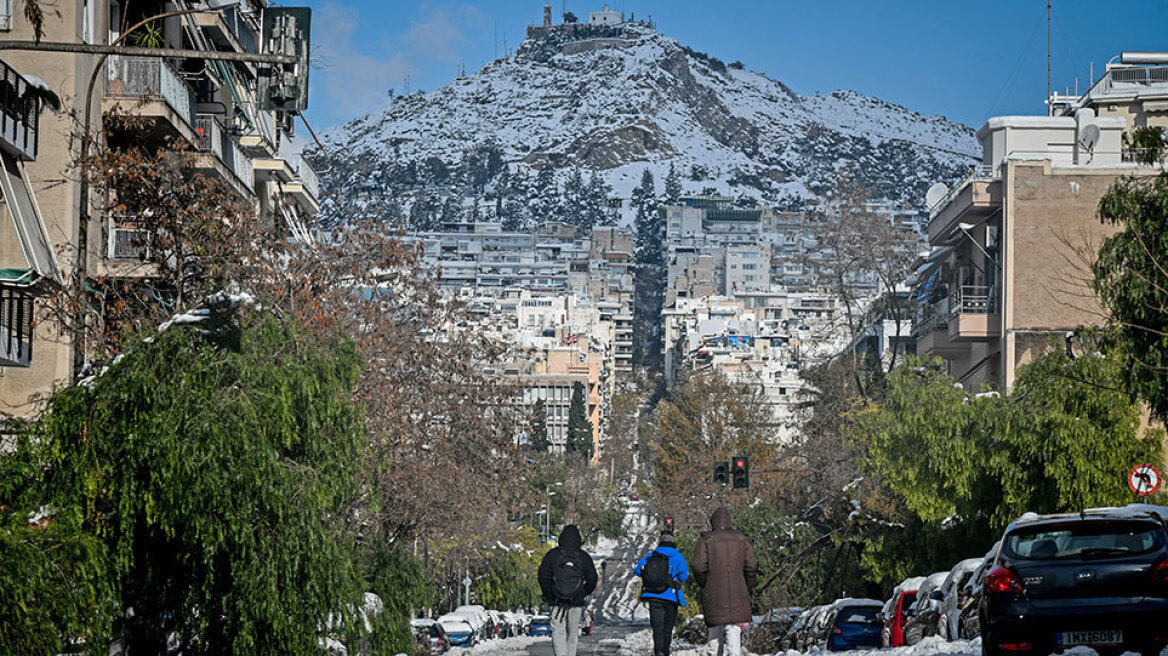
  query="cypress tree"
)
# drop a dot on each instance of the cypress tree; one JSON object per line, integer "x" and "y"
{"x": 579, "y": 427}
{"x": 538, "y": 427}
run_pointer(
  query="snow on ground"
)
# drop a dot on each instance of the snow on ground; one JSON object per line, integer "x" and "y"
{"x": 516, "y": 646}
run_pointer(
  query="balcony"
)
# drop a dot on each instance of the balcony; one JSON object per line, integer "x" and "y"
{"x": 931, "y": 331}
{"x": 228, "y": 29}
{"x": 220, "y": 154}
{"x": 16, "y": 327}
{"x": 973, "y": 200}
{"x": 973, "y": 314}
{"x": 150, "y": 87}
{"x": 19, "y": 115}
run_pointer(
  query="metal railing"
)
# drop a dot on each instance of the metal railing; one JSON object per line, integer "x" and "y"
{"x": 933, "y": 316}
{"x": 241, "y": 29}
{"x": 210, "y": 135}
{"x": 981, "y": 172}
{"x": 971, "y": 299}
{"x": 135, "y": 77}
{"x": 239, "y": 163}
{"x": 19, "y": 112}
{"x": 213, "y": 138}
{"x": 307, "y": 176}
{"x": 16, "y": 327}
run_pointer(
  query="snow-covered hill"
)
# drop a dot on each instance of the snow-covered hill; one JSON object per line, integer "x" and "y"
{"x": 618, "y": 100}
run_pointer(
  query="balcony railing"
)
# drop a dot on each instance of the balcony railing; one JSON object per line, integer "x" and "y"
{"x": 934, "y": 316}
{"x": 981, "y": 172}
{"x": 307, "y": 175}
{"x": 135, "y": 77}
{"x": 216, "y": 140}
{"x": 16, "y": 327}
{"x": 19, "y": 114}
{"x": 971, "y": 299}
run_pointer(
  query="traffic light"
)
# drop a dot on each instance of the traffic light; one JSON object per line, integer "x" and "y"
{"x": 668, "y": 524}
{"x": 721, "y": 472}
{"x": 741, "y": 472}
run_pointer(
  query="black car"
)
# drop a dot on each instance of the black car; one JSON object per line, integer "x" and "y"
{"x": 1097, "y": 578}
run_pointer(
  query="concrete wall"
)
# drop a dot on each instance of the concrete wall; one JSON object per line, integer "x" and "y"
{"x": 53, "y": 182}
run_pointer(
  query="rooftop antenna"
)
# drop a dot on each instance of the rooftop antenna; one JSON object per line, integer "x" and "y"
{"x": 1050, "y": 105}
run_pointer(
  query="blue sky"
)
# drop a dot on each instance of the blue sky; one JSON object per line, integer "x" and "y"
{"x": 965, "y": 60}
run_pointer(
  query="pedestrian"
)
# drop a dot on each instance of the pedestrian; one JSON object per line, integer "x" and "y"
{"x": 566, "y": 576}
{"x": 725, "y": 566}
{"x": 662, "y": 572}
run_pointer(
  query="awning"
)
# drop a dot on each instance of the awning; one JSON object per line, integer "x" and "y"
{"x": 26, "y": 218}
{"x": 932, "y": 261}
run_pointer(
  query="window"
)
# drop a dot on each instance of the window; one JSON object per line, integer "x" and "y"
{"x": 749, "y": 267}
{"x": 5, "y": 15}
{"x": 750, "y": 256}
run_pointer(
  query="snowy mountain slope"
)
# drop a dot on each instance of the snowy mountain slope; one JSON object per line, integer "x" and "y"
{"x": 621, "y": 99}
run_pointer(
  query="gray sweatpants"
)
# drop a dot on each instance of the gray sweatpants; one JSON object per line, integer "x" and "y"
{"x": 565, "y": 630}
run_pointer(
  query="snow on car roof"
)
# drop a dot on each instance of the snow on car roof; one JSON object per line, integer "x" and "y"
{"x": 911, "y": 583}
{"x": 1134, "y": 511}
{"x": 842, "y": 603}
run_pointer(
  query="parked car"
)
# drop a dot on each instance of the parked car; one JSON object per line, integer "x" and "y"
{"x": 770, "y": 630}
{"x": 815, "y": 631}
{"x": 926, "y": 610}
{"x": 790, "y": 639}
{"x": 953, "y": 597}
{"x": 854, "y": 624}
{"x": 895, "y": 613}
{"x": 429, "y": 637}
{"x": 968, "y": 625}
{"x": 1097, "y": 578}
{"x": 459, "y": 632}
{"x": 540, "y": 625}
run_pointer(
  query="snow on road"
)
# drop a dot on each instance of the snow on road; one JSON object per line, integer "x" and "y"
{"x": 641, "y": 642}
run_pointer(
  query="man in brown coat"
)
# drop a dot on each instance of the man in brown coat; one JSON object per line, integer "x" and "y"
{"x": 725, "y": 566}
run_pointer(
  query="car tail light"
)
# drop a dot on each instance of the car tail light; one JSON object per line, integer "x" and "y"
{"x": 1017, "y": 646}
{"x": 1160, "y": 573}
{"x": 1000, "y": 579}
{"x": 836, "y": 630}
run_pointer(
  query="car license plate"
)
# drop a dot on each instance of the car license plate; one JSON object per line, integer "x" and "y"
{"x": 1090, "y": 638}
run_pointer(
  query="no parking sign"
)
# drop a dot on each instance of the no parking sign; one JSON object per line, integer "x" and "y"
{"x": 1144, "y": 480}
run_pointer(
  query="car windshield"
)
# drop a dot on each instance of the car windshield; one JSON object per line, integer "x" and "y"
{"x": 1085, "y": 540}
{"x": 541, "y": 621}
{"x": 435, "y": 631}
{"x": 859, "y": 615}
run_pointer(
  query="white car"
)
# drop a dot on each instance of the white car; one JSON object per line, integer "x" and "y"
{"x": 459, "y": 632}
{"x": 953, "y": 597}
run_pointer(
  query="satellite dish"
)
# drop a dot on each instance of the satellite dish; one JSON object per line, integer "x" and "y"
{"x": 1090, "y": 136}
{"x": 935, "y": 195}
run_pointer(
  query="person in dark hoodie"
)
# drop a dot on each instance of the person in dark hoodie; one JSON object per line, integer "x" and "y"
{"x": 663, "y": 605}
{"x": 725, "y": 566}
{"x": 566, "y": 576}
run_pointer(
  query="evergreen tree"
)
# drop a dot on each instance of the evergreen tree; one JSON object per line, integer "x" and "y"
{"x": 672, "y": 186}
{"x": 546, "y": 195}
{"x": 650, "y": 275}
{"x": 575, "y": 202}
{"x": 596, "y": 203}
{"x": 579, "y": 426}
{"x": 538, "y": 428}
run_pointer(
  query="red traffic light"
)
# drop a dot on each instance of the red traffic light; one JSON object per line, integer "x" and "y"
{"x": 740, "y": 463}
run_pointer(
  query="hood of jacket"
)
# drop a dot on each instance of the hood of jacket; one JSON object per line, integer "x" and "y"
{"x": 570, "y": 537}
{"x": 720, "y": 520}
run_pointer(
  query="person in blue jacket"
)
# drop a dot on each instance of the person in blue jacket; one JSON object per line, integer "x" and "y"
{"x": 663, "y": 605}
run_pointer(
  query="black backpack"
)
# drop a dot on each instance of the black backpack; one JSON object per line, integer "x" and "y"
{"x": 655, "y": 576}
{"x": 568, "y": 579}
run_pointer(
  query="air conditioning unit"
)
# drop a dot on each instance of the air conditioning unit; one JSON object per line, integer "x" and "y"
{"x": 128, "y": 244}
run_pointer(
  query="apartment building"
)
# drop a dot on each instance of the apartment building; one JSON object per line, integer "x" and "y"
{"x": 1007, "y": 273}
{"x": 237, "y": 116}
